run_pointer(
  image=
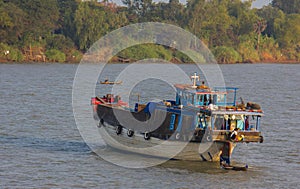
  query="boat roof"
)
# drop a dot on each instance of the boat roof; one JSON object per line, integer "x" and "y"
{"x": 199, "y": 90}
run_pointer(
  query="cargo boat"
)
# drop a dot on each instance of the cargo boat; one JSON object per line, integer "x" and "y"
{"x": 200, "y": 124}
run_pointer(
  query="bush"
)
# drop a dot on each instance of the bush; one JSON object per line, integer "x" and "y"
{"x": 182, "y": 56}
{"x": 3, "y": 48}
{"x": 15, "y": 55}
{"x": 246, "y": 48}
{"x": 269, "y": 49}
{"x": 10, "y": 53}
{"x": 55, "y": 55}
{"x": 248, "y": 52}
{"x": 291, "y": 54}
{"x": 74, "y": 56}
{"x": 144, "y": 51}
{"x": 225, "y": 55}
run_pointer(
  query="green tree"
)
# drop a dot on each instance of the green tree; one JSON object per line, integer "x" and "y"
{"x": 288, "y": 35}
{"x": 12, "y": 23}
{"x": 195, "y": 13}
{"x": 67, "y": 9}
{"x": 42, "y": 16}
{"x": 59, "y": 42}
{"x": 287, "y": 6}
{"x": 93, "y": 21}
{"x": 259, "y": 27}
{"x": 173, "y": 12}
{"x": 217, "y": 24}
{"x": 270, "y": 14}
{"x": 141, "y": 8}
{"x": 243, "y": 17}
{"x": 89, "y": 25}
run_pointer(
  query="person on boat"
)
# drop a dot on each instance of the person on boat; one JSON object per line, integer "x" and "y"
{"x": 234, "y": 134}
{"x": 247, "y": 123}
{"x": 203, "y": 86}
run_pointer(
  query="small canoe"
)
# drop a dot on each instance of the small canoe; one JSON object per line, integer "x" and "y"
{"x": 110, "y": 82}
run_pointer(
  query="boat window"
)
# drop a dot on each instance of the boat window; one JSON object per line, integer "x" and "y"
{"x": 202, "y": 99}
{"x": 199, "y": 100}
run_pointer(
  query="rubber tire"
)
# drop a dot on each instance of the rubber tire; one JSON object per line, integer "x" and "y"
{"x": 130, "y": 132}
{"x": 118, "y": 130}
{"x": 177, "y": 136}
{"x": 147, "y": 136}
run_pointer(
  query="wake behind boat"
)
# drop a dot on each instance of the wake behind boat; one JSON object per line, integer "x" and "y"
{"x": 208, "y": 122}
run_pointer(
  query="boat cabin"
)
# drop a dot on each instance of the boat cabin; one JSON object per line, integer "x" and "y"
{"x": 217, "y": 108}
{"x": 186, "y": 95}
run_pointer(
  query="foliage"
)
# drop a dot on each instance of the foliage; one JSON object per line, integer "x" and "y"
{"x": 246, "y": 48}
{"x": 91, "y": 23}
{"x": 146, "y": 51}
{"x": 74, "y": 56}
{"x": 269, "y": 49}
{"x": 10, "y": 53}
{"x": 42, "y": 15}
{"x": 55, "y": 55}
{"x": 225, "y": 55}
{"x": 271, "y": 14}
{"x": 59, "y": 42}
{"x": 181, "y": 56}
{"x": 15, "y": 55}
{"x": 12, "y": 23}
{"x": 289, "y": 30}
{"x": 289, "y": 7}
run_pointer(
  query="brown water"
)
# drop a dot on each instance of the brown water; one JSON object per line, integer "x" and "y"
{"x": 41, "y": 146}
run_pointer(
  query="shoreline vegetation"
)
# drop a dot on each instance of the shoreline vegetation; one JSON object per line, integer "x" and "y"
{"x": 62, "y": 31}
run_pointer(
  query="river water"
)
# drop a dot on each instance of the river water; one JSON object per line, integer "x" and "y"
{"x": 41, "y": 147}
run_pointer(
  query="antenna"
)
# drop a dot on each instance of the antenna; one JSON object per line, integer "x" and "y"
{"x": 194, "y": 78}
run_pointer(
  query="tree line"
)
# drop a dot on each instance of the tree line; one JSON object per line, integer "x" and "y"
{"x": 62, "y": 30}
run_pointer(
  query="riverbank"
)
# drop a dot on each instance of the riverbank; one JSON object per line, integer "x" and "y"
{"x": 3, "y": 61}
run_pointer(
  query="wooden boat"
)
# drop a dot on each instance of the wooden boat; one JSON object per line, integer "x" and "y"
{"x": 106, "y": 82}
{"x": 201, "y": 124}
